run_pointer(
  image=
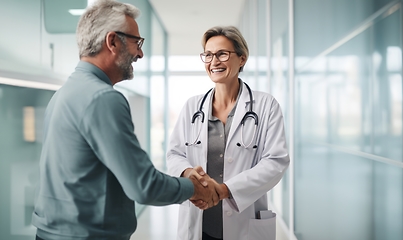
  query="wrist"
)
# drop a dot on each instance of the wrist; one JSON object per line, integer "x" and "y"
{"x": 186, "y": 172}
{"x": 225, "y": 191}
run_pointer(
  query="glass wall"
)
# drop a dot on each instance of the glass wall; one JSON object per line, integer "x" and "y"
{"x": 336, "y": 69}
{"x": 279, "y": 87}
{"x": 21, "y": 119}
{"x": 348, "y": 171}
{"x": 158, "y": 95}
{"x": 38, "y": 51}
{"x": 265, "y": 27}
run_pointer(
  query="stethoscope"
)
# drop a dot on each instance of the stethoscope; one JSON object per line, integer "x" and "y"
{"x": 248, "y": 114}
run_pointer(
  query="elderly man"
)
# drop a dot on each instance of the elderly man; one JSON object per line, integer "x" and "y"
{"x": 92, "y": 167}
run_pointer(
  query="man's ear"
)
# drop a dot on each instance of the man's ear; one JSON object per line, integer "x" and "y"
{"x": 111, "y": 42}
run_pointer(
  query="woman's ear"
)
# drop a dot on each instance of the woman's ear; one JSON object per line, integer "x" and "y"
{"x": 243, "y": 60}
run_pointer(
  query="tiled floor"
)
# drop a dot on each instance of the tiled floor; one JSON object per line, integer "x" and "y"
{"x": 156, "y": 223}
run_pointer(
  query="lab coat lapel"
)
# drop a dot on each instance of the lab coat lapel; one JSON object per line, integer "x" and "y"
{"x": 204, "y": 131}
{"x": 241, "y": 108}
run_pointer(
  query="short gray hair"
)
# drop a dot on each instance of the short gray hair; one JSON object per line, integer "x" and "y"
{"x": 233, "y": 34}
{"x": 101, "y": 17}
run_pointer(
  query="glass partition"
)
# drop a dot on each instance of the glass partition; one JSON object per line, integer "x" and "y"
{"x": 264, "y": 25}
{"x": 346, "y": 179}
{"x": 21, "y": 120}
{"x": 348, "y": 170}
{"x": 37, "y": 52}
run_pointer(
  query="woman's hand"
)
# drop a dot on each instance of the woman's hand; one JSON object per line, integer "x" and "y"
{"x": 198, "y": 172}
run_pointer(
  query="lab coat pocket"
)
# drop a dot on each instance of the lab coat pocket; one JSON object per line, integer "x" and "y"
{"x": 262, "y": 229}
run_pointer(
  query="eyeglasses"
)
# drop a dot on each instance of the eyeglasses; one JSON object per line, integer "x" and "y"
{"x": 140, "y": 40}
{"x": 222, "y": 56}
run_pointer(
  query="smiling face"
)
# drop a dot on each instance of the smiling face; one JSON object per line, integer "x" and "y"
{"x": 222, "y": 72}
{"x": 124, "y": 62}
{"x": 130, "y": 51}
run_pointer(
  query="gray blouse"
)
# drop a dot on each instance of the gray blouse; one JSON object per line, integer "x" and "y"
{"x": 217, "y": 140}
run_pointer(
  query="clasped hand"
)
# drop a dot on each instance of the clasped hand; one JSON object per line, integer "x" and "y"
{"x": 207, "y": 191}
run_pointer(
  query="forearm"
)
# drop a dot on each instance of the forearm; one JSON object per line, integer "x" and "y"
{"x": 186, "y": 172}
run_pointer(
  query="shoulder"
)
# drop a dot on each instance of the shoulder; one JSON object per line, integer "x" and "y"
{"x": 266, "y": 102}
{"x": 91, "y": 91}
{"x": 90, "y": 85}
{"x": 263, "y": 96}
{"x": 194, "y": 101}
{"x": 191, "y": 106}
{"x": 109, "y": 97}
{"x": 196, "y": 98}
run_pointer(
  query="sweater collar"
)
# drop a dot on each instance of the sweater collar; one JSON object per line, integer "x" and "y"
{"x": 89, "y": 67}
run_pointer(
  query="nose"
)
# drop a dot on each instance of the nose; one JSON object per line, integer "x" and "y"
{"x": 140, "y": 53}
{"x": 215, "y": 60}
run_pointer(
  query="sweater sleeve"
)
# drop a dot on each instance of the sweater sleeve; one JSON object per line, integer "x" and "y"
{"x": 107, "y": 127}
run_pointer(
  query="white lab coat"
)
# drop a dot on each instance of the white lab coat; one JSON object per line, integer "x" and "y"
{"x": 248, "y": 173}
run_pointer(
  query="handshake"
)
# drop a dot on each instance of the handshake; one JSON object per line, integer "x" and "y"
{"x": 207, "y": 192}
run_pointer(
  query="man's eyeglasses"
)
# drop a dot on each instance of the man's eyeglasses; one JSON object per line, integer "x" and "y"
{"x": 140, "y": 40}
{"x": 222, "y": 56}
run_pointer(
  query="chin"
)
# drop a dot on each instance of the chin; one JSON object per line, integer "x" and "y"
{"x": 216, "y": 79}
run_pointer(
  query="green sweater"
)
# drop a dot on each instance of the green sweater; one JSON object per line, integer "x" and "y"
{"x": 92, "y": 167}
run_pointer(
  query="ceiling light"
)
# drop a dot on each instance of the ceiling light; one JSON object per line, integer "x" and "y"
{"x": 28, "y": 84}
{"x": 76, "y": 12}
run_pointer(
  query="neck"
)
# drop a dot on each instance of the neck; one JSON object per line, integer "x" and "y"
{"x": 226, "y": 94}
{"x": 106, "y": 65}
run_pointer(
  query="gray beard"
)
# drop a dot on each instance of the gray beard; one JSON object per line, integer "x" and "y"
{"x": 124, "y": 63}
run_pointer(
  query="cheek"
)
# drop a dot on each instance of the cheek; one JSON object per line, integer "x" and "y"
{"x": 133, "y": 52}
{"x": 235, "y": 67}
{"x": 207, "y": 67}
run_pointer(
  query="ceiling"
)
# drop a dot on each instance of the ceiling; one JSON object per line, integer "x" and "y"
{"x": 187, "y": 20}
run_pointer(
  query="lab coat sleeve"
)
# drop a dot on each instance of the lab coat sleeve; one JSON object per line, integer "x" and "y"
{"x": 272, "y": 162}
{"x": 177, "y": 160}
{"x": 107, "y": 127}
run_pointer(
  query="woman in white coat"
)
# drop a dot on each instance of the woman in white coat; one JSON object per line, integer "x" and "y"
{"x": 237, "y": 137}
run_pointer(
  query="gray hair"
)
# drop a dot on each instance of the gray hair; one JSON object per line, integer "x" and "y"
{"x": 234, "y": 35}
{"x": 101, "y": 17}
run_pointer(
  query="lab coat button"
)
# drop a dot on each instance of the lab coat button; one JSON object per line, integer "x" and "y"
{"x": 229, "y": 213}
{"x": 230, "y": 160}
{"x": 221, "y": 155}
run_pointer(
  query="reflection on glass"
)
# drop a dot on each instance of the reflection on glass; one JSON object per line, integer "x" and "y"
{"x": 21, "y": 120}
{"x": 349, "y": 129}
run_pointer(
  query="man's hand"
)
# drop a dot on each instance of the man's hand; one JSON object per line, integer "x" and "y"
{"x": 197, "y": 172}
{"x": 221, "y": 190}
{"x": 207, "y": 194}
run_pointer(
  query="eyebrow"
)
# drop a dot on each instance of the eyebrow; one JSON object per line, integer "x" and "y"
{"x": 221, "y": 50}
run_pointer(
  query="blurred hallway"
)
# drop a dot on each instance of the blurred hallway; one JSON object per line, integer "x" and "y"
{"x": 157, "y": 223}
